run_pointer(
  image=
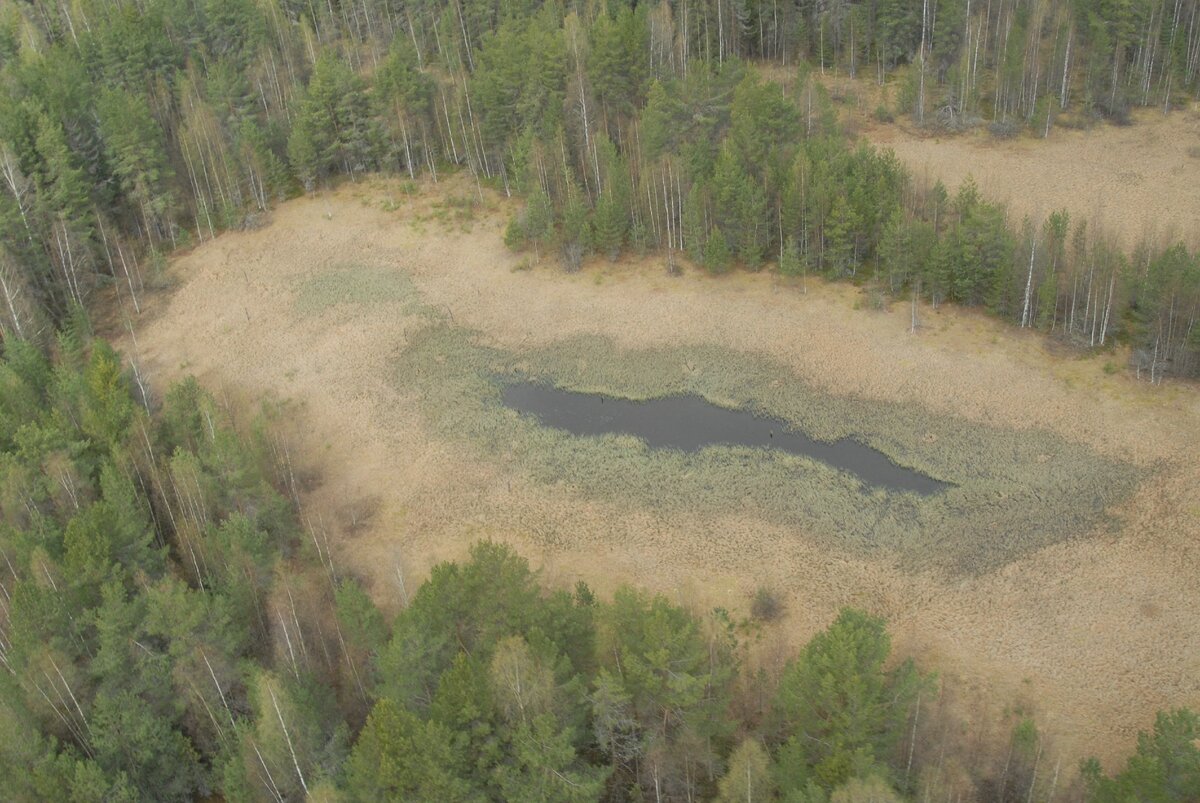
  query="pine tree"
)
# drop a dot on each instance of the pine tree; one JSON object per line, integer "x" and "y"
{"x": 403, "y": 96}
{"x": 62, "y": 187}
{"x": 728, "y": 186}
{"x": 844, "y": 709}
{"x": 544, "y": 87}
{"x": 545, "y": 767}
{"x": 397, "y": 756}
{"x": 334, "y": 128}
{"x": 63, "y": 202}
{"x": 764, "y": 124}
{"x": 1056, "y": 229}
{"x": 659, "y": 123}
{"x": 609, "y": 226}
{"x": 539, "y": 221}
{"x": 131, "y": 739}
{"x": 361, "y": 631}
{"x": 674, "y": 683}
{"x": 463, "y": 704}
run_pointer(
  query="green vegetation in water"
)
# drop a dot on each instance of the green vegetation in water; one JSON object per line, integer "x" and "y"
{"x": 354, "y": 285}
{"x": 1012, "y": 492}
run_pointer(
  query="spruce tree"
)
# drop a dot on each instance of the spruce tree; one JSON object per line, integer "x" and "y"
{"x": 610, "y": 224}
{"x": 717, "y": 256}
{"x": 841, "y": 237}
{"x": 576, "y": 232}
{"x": 752, "y": 224}
{"x": 695, "y": 232}
{"x": 790, "y": 263}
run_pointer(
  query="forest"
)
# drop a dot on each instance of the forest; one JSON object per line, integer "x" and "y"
{"x": 173, "y": 626}
{"x": 128, "y": 129}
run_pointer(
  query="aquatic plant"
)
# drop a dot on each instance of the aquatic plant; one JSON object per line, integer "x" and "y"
{"x": 1012, "y": 491}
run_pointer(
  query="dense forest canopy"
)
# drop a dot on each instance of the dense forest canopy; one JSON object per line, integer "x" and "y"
{"x": 174, "y": 627}
{"x": 130, "y": 128}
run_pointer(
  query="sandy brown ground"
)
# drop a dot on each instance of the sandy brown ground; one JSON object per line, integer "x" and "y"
{"x": 1094, "y": 634}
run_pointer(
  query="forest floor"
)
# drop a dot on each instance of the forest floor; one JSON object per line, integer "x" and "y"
{"x": 316, "y": 310}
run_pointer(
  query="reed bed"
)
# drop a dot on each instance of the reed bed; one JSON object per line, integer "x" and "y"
{"x": 1010, "y": 493}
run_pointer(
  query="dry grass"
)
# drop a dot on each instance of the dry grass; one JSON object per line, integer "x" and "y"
{"x": 1134, "y": 181}
{"x": 352, "y": 287}
{"x": 1012, "y": 492}
{"x": 1098, "y": 630}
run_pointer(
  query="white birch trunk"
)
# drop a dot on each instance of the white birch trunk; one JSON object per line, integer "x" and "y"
{"x": 1029, "y": 285}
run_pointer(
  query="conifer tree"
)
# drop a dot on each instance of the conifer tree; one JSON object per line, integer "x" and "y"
{"x": 717, "y": 256}
{"x": 695, "y": 230}
{"x": 1166, "y": 765}
{"x": 135, "y": 148}
{"x": 752, "y": 224}
{"x": 611, "y": 223}
{"x": 576, "y": 231}
{"x": 791, "y": 263}
{"x": 398, "y": 756}
{"x": 842, "y": 710}
{"x": 617, "y": 65}
{"x": 841, "y": 235}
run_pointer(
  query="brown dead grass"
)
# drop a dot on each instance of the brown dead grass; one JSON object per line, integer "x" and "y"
{"x": 1132, "y": 182}
{"x": 1135, "y": 182}
{"x": 1129, "y": 182}
{"x": 1099, "y": 631}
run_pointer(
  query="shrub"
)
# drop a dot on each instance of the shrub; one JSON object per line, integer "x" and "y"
{"x": 514, "y": 235}
{"x": 1003, "y": 129}
{"x": 1115, "y": 110}
{"x": 766, "y": 606}
{"x": 572, "y": 256}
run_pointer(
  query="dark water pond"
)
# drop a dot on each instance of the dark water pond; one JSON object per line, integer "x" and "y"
{"x": 689, "y": 423}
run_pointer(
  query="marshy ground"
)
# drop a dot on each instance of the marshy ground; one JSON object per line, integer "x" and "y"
{"x": 1059, "y": 573}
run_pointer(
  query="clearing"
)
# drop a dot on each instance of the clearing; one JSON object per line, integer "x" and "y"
{"x": 355, "y": 310}
{"x": 1131, "y": 182}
